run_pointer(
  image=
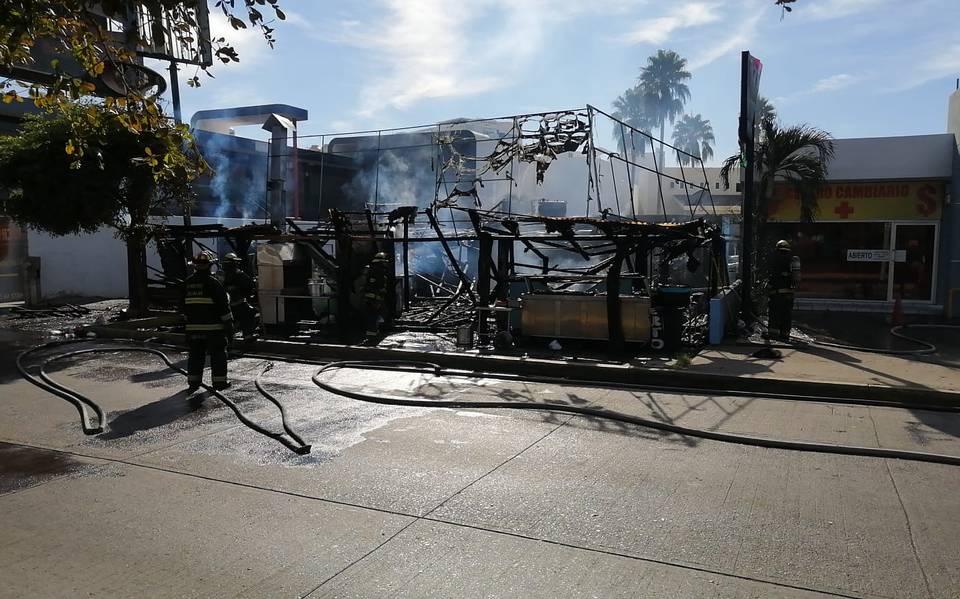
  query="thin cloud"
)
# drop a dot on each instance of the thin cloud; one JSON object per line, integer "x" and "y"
{"x": 423, "y": 50}
{"x": 833, "y": 83}
{"x": 945, "y": 62}
{"x": 835, "y": 9}
{"x": 824, "y": 85}
{"x": 658, "y": 30}
{"x": 735, "y": 42}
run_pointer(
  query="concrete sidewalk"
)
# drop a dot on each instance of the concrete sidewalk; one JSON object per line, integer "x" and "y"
{"x": 808, "y": 363}
{"x": 803, "y": 369}
{"x": 178, "y": 502}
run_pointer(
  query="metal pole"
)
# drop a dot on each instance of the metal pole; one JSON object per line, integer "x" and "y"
{"x": 323, "y": 155}
{"x": 376, "y": 196}
{"x": 746, "y": 251}
{"x": 406, "y": 264}
{"x": 178, "y": 119}
{"x": 706, "y": 183}
{"x": 686, "y": 188}
{"x": 175, "y": 93}
{"x": 629, "y": 167}
{"x": 659, "y": 183}
{"x": 296, "y": 174}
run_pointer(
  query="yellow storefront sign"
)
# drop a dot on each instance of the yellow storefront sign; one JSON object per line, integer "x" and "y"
{"x": 913, "y": 200}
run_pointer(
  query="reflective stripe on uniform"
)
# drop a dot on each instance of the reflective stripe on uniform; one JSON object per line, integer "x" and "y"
{"x": 203, "y": 327}
{"x": 191, "y": 301}
{"x": 238, "y": 302}
{"x": 194, "y": 378}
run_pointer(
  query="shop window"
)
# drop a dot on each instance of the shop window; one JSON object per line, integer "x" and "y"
{"x": 913, "y": 272}
{"x": 825, "y": 270}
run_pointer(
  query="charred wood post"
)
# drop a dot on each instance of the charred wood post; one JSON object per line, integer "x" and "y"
{"x": 614, "y": 314}
{"x": 484, "y": 269}
{"x": 344, "y": 259}
{"x": 453, "y": 260}
{"x": 504, "y": 271}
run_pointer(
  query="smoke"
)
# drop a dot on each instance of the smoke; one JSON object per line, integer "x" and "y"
{"x": 397, "y": 178}
{"x": 237, "y": 186}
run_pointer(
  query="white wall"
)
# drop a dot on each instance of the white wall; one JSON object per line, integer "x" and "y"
{"x": 879, "y": 158}
{"x": 86, "y": 265}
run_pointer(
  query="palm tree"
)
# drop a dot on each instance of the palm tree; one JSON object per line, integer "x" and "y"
{"x": 693, "y": 135}
{"x": 766, "y": 111}
{"x": 797, "y": 156}
{"x": 632, "y": 107}
{"x": 662, "y": 81}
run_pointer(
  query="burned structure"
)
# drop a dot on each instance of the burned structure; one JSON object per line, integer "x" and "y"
{"x": 511, "y": 228}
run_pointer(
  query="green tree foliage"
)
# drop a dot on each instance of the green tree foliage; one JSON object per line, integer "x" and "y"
{"x": 97, "y": 158}
{"x": 766, "y": 110}
{"x": 663, "y": 82}
{"x": 797, "y": 156}
{"x": 694, "y": 135}
{"x": 121, "y": 178}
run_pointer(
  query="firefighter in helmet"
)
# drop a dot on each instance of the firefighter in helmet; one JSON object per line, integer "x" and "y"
{"x": 783, "y": 281}
{"x": 209, "y": 324}
{"x": 242, "y": 290}
{"x": 375, "y": 283}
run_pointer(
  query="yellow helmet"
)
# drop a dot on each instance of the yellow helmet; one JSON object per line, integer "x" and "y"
{"x": 231, "y": 257}
{"x": 783, "y": 245}
{"x": 202, "y": 260}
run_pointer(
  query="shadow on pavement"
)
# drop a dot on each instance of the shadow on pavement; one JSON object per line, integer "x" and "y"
{"x": 152, "y": 415}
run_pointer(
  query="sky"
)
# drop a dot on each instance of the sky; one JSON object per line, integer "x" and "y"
{"x": 855, "y": 68}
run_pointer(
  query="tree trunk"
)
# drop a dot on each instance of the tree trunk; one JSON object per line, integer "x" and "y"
{"x": 137, "y": 277}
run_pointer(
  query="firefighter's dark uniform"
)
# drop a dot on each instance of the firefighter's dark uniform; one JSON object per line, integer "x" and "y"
{"x": 781, "y": 283}
{"x": 241, "y": 288}
{"x": 375, "y": 293}
{"x": 209, "y": 324}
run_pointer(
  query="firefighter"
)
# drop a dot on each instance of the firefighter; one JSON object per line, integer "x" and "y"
{"x": 375, "y": 291}
{"x": 209, "y": 324}
{"x": 783, "y": 281}
{"x": 242, "y": 289}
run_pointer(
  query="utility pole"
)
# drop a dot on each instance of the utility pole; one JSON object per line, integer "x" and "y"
{"x": 750, "y": 69}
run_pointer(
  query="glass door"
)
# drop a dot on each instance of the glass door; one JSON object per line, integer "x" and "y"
{"x": 914, "y": 257}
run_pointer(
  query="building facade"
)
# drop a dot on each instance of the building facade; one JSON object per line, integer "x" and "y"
{"x": 882, "y": 229}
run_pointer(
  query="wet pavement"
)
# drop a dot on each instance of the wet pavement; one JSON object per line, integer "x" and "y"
{"x": 873, "y": 331}
{"x": 178, "y": 500}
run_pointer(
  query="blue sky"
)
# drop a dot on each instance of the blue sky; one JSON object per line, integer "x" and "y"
{"x": 857, "y": 68}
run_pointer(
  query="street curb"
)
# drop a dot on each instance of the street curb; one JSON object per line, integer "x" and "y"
{"x": 595, "y": 373}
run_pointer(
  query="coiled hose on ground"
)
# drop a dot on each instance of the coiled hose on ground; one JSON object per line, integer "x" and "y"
{"x": 81, "y": 402}
{"x": 897, "y": 331}
{"x": 299, "y": 447}
{"x": 434, "y": 369}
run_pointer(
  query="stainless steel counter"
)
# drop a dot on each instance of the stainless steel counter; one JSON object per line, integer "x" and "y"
{"x": 582, "y": 317}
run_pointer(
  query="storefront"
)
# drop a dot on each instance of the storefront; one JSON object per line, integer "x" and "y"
{"x": 870, "y": 241}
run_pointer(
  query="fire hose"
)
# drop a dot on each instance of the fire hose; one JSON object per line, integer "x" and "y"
{"x": 429, "y": 368}
{"x": 81, "y": 402}
{"x": 298, "y": 446}
{"x": 897, "y": 331}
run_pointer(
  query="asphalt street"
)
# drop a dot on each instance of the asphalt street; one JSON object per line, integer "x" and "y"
{"x": 180, "y": 501}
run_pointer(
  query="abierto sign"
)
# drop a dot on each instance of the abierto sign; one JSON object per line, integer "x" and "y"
{"x": 876, "y": 256}
{"x": 887, "y": 201}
